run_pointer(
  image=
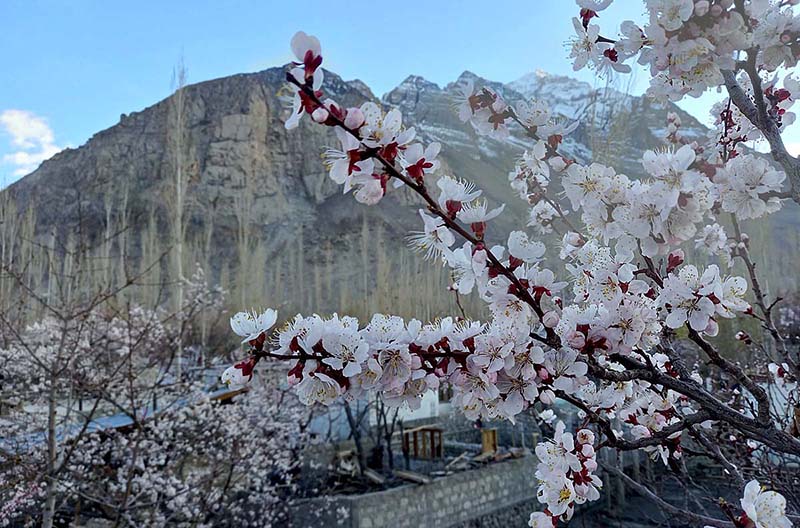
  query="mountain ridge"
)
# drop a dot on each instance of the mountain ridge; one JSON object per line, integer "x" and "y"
{"x": 245, "y": 167}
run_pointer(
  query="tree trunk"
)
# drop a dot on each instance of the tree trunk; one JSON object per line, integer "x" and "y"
{"x": 48, "y": 514}
{"x": 355, "y": 430}
{"x": 179, "y": 131}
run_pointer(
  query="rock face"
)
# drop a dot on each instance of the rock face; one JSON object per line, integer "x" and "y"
{"x": 241, "y": 159}
{"x": 235, "y": 145}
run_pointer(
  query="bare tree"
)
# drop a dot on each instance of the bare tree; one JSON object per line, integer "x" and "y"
{"x": 177, "y": 139}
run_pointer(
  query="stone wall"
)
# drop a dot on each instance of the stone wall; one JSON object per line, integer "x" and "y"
{"x": 512, "y": 516}
{"x": 446, "y": 502}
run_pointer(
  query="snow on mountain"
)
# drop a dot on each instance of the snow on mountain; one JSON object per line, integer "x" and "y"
{"x": 567, "y": 96}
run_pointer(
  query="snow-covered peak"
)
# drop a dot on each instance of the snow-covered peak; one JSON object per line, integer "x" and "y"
{"x": 539, "y": 83}
{"x": 567, "y": 96}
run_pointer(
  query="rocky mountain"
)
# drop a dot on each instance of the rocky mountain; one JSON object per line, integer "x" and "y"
{"x": 247, "y": 170}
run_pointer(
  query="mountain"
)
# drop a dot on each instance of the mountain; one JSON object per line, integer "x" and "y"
{"x": 247, "y": 170}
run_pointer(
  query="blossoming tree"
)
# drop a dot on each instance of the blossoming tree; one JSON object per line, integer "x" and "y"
{"x": 94, "y": 426}
{"x": 600, "y": 331}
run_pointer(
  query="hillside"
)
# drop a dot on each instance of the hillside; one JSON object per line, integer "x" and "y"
{"x": 312, "y": 245}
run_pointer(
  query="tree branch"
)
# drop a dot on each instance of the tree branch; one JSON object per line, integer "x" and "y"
{"x": 766, "y": 125}
{"x": 693, "y": 518}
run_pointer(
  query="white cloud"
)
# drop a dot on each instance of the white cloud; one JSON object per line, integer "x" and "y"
{"x": 32, "y": 140}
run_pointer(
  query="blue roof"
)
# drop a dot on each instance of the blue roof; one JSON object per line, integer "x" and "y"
{"x": 103, "y": 423}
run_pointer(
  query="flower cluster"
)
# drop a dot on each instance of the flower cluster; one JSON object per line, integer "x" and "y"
{"x": 687, "y": 44}
{"x": 374, "y": 147}
{"x": 566, "y": 475}
{"x": 743, "y": 183}
{"x": 613, "y": 311}
{"x": 696, "y": 298}
{"x": 494, "y": 370}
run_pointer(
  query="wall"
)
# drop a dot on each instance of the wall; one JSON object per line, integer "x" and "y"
{"x": 445, "y": 502}
{"x": 512, "y": 516}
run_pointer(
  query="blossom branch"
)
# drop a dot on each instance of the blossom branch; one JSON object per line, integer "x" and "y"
{"x": 767, "y": 126}
{"x": 421, "y": 190}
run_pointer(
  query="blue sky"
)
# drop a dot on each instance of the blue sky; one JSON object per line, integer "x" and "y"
{"x": 71, "y": 68}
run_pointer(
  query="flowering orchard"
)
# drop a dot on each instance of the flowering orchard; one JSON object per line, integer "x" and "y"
{"x": 94, "y": 426}
{"x": 600, "y": 331}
